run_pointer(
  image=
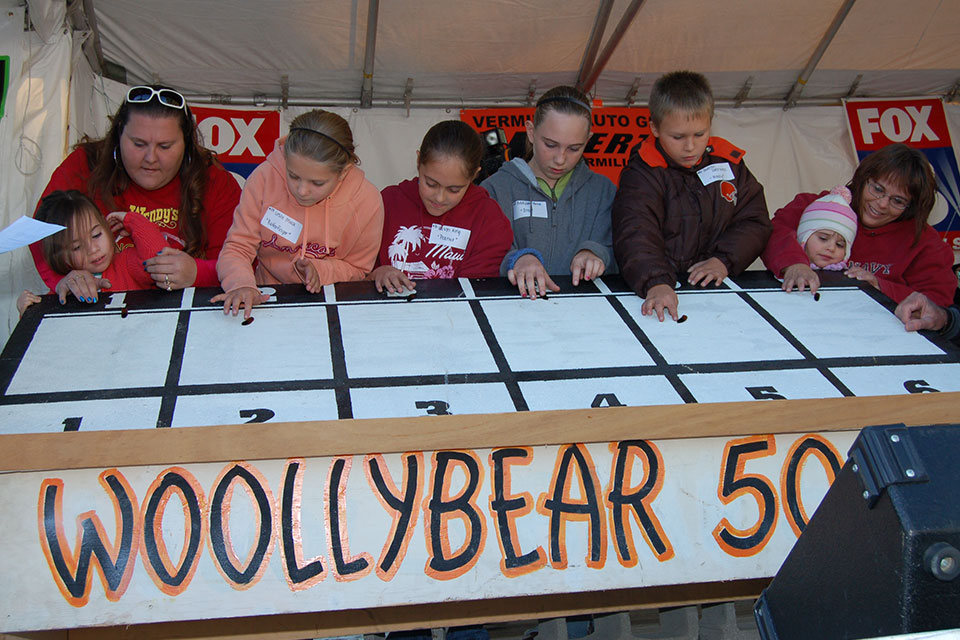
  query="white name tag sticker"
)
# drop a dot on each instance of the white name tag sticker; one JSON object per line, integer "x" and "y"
{"x": 413, "y": 267}
{"x": 281, "y": 224}
{"x": 715, "y": 172}
{"x": 449, "y": 236}
{"x": 526, "y": 209}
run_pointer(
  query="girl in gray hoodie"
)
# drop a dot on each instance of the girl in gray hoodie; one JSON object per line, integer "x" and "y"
{"x": 558, "y": 207}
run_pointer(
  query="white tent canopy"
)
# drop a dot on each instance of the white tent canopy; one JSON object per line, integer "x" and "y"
{"x": 470, "y": 51}
{"x": 435, "y": 56}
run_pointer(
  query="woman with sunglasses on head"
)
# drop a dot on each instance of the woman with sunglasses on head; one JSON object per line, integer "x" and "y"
{"x": 895, "y": 250}
{"x": 151, "y": 162}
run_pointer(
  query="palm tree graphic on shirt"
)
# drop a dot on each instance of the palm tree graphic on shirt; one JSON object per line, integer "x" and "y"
{"x": 405, "y": 240}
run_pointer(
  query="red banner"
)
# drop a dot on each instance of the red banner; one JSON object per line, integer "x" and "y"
{"x": 920, "y": 123}
{"x": 241, "y": 138}
{"x": 614, "y": 133}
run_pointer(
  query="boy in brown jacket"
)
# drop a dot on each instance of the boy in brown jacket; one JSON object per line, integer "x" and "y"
{"x": 686, "y": 206}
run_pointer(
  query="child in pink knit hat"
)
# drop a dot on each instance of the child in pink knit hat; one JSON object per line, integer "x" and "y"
{"x": 827, "y": 229}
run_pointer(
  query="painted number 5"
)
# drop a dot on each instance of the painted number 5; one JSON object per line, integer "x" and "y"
{"x": 734, "y": 483}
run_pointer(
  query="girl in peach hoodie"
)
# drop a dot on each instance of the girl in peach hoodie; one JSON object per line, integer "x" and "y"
{"x": 307, "y": 214}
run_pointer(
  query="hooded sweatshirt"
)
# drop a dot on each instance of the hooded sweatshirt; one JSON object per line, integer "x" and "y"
{"x": 340, "y": 235}
{"x": 467, "y": 241}
{"x": 580, "y": 219}
{"x": 667, "y": 217}
{"x": 160, "y": 206}
{"x": 888, "y": 252}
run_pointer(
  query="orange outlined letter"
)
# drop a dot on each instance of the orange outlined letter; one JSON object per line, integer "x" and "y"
{"x": 444, "y": 563}
{"x": 506, "y": 507}
{"x": 402, "y": 503}
{"x": 561, "y": 509}
{"x": 114, "y": 562}
{"x": 637, "y": 501}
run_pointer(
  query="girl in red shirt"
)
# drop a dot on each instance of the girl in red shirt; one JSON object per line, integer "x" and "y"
{"x": 440, "y": 224}
{"x": 88, "y": 246}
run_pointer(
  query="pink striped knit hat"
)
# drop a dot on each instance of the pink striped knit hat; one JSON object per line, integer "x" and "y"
{"x": 832, "y": 212}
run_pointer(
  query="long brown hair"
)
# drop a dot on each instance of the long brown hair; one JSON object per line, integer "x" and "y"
{"x": 108, "y": 179}
{"x": 908, "y": 169}
{"x": 68, "y": 209}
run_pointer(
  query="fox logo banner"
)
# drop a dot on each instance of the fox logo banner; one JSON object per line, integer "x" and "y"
{"x": 241, "y": 138}
{"x": 922, "y": 124}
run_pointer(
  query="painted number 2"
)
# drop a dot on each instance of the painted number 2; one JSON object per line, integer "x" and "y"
{"x": 256, "y": 415}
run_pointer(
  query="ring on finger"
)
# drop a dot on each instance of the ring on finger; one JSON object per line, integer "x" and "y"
{"x": 166, "y": 278}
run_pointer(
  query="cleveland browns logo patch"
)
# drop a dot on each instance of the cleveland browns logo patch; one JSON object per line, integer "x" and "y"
{"x": 729, "y": 192}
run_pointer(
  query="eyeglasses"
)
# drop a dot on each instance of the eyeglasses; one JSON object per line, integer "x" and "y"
{"x": 166, "y": 97}
{"x": 878, "y": 192}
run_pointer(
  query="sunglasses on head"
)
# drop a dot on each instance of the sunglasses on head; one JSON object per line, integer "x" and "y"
{"x": 166, "y": 97}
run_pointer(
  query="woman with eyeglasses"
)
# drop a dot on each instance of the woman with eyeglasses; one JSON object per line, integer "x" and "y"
{"x": 895, "y": 250}
{"x": 151, "y": 162}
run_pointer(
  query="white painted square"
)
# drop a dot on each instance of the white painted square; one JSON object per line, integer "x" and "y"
{"x": 792, "y": 384}
{"x": 280, "y": 344}
{"x": 563, "y": 333}
{"x": 226, "y": 408}
{"x": 456, "y": 399}
{"x": 406, "y": 339}
{"x": 843, "y": 323}
{"x": 94, "y": 415}
{"x": 897, "y": 379}
{"x": 584, "y": 393}
{"x": 720, "y": 327}
{"x": 97, "y": 351}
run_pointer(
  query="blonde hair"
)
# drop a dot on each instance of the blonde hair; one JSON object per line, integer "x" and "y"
{"x": 322, "y": 136}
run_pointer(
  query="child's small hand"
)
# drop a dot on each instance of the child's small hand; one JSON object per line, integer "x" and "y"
{"x": 530, "y": 277}
{"x": 391, "y": 279}
{"x": 115, "y": 220}
{"x": 308, "y": 273}
{"x": 586, "y": 265}
{"x": 245, "y": 297}
{"x": 82, "y": 284}
{"x": 862, "y": 274}
{"x": 797, "y": 276}
{"x": 707, "y": 271}
{"x": 660, "y": 298}
{"x": 26, "y": 299}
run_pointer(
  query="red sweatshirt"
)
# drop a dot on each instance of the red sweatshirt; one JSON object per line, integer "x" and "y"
{"x": 126, "y": 271}
{"x": 888, "y": 252}
{"x": 468, "y": 241}
{"x": 161, "y": 206}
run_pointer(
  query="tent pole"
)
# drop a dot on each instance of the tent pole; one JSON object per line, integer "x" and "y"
{"x": 825, "y": 41}
{"x": 366, "y": 93}
{"x": 612, "y": 44}
{"x": 590, "y": 53}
